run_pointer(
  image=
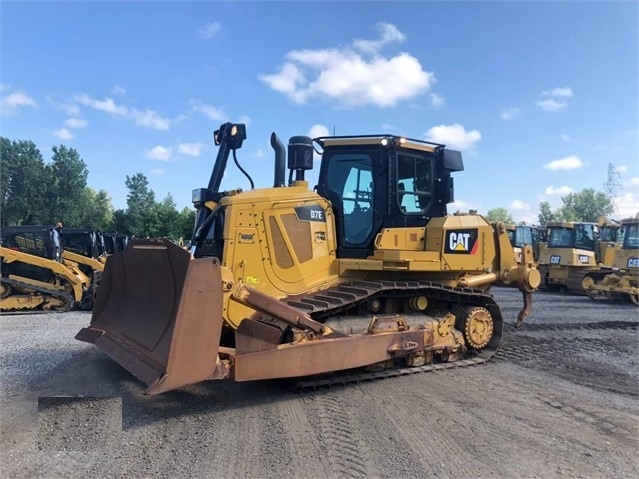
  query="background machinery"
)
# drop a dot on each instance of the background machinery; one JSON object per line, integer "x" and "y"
{"x": 85, "y": 247}
{"x": 567, "y": 256}
{"x": 607, "y": 241}
{"x": 35, "y": 275}
{"x": 522, "y": 235}
{"x": 619, "y": 279}
{"x": 287, "y": 271}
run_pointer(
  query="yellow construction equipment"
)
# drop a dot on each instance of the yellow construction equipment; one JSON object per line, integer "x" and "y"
{"x": 275, "y": 276}
{"x": 621, "y": 278}
{"x": 34, "y": 274}
{"x": 84, "y": 247}
{"x": 522, "y": 235}
{"x": 567, "y": 256}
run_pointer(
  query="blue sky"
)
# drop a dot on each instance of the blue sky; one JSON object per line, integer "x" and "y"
{"x": 539, "y": 96}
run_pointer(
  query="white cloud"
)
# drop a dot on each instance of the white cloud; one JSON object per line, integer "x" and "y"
{"x": 158, "y": 171}
{"x": 560, "y": 190}
{"x": 622, "y": 168}
{"x": 318, "y": 130}
{"x": 213, "y": 112}
{"x": 571, "y": 162}
{"x": 209, "y": 30}
{"x": 4, "y": 87}
{"x": 551, "y": 104}
{"x": 634, "y": 181}
{"x": 387, "y": 126}
{"x": 107, "y": 105}
{"x": 519, "y": 205}
{"x": 148, "y": 118}
{"x": 117, "y": 90}
{"x": 259, "y": 153}
{"x": 509, "y": 113}
{"x": 453, "y": 136}
{"x": 627, "y": 205}
{"x": 63, "y": 134}
{"x": 565, "y": 137}
{"x": 351, "y": 76}
{"x": 159, "y": 153}
{"x": 437, "y": 100}
{"x": 244, "y": 119}
{"x": 555, "y": 99}
{"x": 191, "y": 149}
{"x": 76, "y": 123}
{"x": 558, "y": 92}
{"x": 11, "y": 102}
{"x": 389, "y": 34}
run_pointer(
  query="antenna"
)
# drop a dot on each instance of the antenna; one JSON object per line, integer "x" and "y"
{"x": 612, "y": 186}
{"x": 333, "y": 130}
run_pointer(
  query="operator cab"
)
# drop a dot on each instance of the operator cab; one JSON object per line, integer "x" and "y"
{"x": 377, "y": 182}
{"x": 572, "y": 235}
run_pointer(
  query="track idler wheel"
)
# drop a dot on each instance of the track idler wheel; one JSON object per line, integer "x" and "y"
{"x": 476, "y": 324}
{"x": 5, "y": 290}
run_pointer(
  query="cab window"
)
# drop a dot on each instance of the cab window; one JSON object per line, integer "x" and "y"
{"x": 414, "y": 184}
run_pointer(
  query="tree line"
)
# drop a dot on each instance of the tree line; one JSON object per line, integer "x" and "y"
{"x": 33, "y": 191}
{"x": 586, "y": 206}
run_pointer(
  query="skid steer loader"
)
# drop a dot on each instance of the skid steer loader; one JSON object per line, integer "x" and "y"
{"x": 288, "y": 271}
{"x": 34, "y": 274}
{"x": 620, "y": 279}
{"x": 83, "y": 246}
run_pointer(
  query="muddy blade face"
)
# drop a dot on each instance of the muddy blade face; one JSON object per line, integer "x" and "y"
{"x": 158, "y": 313}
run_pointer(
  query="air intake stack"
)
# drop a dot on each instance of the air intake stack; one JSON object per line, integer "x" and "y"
{"x": 300, "y": 156}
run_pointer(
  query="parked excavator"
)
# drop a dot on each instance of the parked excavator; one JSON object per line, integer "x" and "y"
{"x": 620, "y": 279}
{"x": 288, "y": 269}
{"x": 35, "y": 275}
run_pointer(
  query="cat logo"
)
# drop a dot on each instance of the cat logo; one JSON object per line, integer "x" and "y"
{"x": 584, "y": 259}
{"x": 555, "y": 259}
{"x": 461, "y": 242}
{"x": 633, "y": 262}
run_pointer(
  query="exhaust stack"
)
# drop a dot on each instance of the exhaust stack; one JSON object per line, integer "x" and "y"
{"x": 280, "y": 162}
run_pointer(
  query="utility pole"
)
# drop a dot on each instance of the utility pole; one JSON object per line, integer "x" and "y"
{"x": 612, "y": 186}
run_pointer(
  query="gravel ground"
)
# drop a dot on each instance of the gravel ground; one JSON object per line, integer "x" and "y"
{"x": 558, "y": 400}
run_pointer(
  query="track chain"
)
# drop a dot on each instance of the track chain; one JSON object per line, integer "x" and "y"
{"x": 358, "y": 376}
{"x": 334, "y": 301}
{"x": 65, "y": 297}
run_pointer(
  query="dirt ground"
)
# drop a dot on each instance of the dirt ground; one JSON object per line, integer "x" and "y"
{"x": 558, "y": 400}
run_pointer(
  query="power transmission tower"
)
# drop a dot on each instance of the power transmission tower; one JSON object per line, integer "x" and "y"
{"x": 612, "y": 186}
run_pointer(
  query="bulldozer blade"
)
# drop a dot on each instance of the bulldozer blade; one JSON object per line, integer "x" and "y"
{"x": 158, "y": 313}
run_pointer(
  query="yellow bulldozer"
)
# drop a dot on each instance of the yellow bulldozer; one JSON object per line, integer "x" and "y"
{"x": 35, "y": 275}
{"x": 568, "y": 254}
{"x": 275, "y": 277}
{"x": 620, "y": 279}
{"x": 522, "y": 235}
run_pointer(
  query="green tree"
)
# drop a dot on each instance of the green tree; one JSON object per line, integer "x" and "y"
{"x": 99, "y": 210}
{"x": 587, "y": 205}
{"x": 500, "y": 214}
{"x": 547, "y": 215}
{"x": 187, "y": 223}
{"x": 67, "y": 199}
{"x": 23, "y": 183}
{"x": 140, "y": 207}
